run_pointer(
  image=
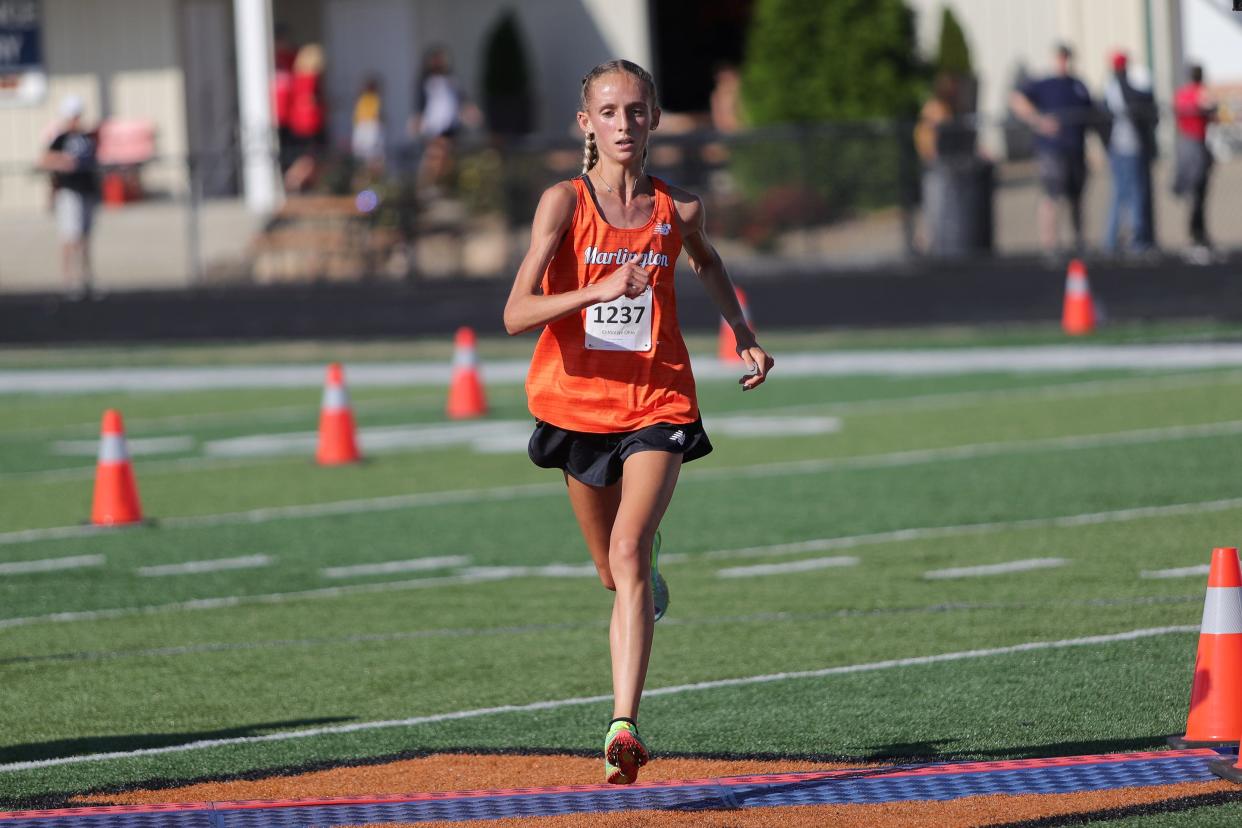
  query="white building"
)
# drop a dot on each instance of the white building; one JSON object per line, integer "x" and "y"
{"x": 1009, "y": 37}
{"x": 174, "y": 62}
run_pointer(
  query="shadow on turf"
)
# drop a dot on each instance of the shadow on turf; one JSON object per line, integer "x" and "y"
{"x": 35, "y": 751}
{"x": 941, "y": 750}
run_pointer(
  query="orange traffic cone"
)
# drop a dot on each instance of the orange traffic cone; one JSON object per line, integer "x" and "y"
{"x": 337, "y": 443}
{"x": 466, "y": 398}
{"x": 116, "y": 493}
{"x": 1216, "y": 694}
{"x": 1078, "y": 312}
{"x": 726, "y": 349}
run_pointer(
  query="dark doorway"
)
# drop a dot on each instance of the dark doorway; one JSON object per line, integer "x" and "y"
{"x": 690, "y": 39}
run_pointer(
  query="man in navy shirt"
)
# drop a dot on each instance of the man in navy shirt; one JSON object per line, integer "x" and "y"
{"x": 1059, "y": 109}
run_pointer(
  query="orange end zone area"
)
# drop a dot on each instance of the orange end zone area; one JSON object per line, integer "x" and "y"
{"x": 446, "y": 772}
{"x": 455, "y": 772}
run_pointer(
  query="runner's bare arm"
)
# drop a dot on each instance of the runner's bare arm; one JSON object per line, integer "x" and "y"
{"x": 711, "y": 272}
{"x": 527, "y": 307}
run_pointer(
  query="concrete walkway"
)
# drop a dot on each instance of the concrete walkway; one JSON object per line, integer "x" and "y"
{"x": 141, "y": 245}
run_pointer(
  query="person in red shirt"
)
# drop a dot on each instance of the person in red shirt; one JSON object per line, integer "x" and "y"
{"x": 284, "y": 54}
{"x": 307, "y": 118}
{"x": 1195, "y": 109}
{"x": 610, "y": 383}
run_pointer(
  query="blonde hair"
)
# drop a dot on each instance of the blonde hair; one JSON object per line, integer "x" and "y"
{"x": 590, "y": 152}
{"x": 309, "y": 59}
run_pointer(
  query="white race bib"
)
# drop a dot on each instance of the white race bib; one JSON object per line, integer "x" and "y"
{"x": 623, "y": 324}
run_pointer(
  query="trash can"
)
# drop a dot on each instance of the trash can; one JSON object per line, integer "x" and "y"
{"x": 957, "y": 202}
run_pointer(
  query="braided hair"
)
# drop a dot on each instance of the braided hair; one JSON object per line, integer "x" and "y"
{"x": 590, "y": 152}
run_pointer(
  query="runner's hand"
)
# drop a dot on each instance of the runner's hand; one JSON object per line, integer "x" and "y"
{"x": 629, "y": 281}
{"x": 758, "y": 363}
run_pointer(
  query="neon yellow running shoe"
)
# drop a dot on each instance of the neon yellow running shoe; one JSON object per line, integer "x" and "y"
{"x": 624, "y": 753}
{"x": 659, "y": 587}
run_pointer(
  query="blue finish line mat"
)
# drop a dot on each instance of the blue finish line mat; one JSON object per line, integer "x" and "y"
{"x": 937, "y": 782}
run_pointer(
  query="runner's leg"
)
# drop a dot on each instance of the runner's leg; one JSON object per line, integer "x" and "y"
{"x": 595, "y": 507}
{"x": 646, "y": 490}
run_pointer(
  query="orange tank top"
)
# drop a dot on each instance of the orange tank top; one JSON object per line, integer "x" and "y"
{"x": 583, "y": 388}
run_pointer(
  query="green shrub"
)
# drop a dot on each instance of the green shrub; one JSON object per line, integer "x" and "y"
{"x": 823, "y": 60}
{"x": 953, "y": 56}
{"x": 507, "y": 99}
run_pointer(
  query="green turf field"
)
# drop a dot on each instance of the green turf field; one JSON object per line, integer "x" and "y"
{"x": 491, "y": 634}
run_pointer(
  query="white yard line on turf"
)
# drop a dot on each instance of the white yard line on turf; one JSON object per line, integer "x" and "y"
{"x": 973, "y": 451}
{"x": 944, "y": 361}
{"x": 847, "y": 669}
{"x": 933, "y": 532}
{"x": 1179, "y": 572}
{"x": 197, "y": 567}
{"x": 145, "y": 467}
{"x": 805, "y": 565}
{"x": 389, "y": 567}
{"x": 793, "y": 467}
{"x": 137, "y": 446}
{"x": 468, "y": 577}
{"x": 537, "y": 629}
{"x": 50, "y": 564}
{"x": 1047, "y": 392}
{"x": 983, "y": 570}
{"x": 480, "y": 574}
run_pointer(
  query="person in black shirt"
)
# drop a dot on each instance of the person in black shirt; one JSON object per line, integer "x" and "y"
{"x": 70, "y": 159}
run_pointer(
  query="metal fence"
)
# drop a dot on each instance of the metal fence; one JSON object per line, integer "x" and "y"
{"x": 823, "y": 196}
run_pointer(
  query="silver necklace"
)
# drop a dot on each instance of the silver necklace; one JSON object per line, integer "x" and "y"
{"x": 611, "y": 190}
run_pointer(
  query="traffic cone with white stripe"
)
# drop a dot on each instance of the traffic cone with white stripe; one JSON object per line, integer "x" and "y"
{"x": 116, "y": 493}
{"x": 1216, "y": 694}
{"x": 726, "y": 349}
{"x": 337, "y": 441}
{"x": 1078, "y": 310}
{"x": 466, "y": 398}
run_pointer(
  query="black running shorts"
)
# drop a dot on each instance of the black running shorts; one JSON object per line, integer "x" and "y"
{"x": 596, "y": 459}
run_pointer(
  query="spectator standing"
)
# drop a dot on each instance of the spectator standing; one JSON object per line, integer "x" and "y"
{"x": 939, "y": 110}
{"x": 367, "y": 141}
{"x": 439, "y": 111}
{"x": 1131, "y": 149}
{"x": 1195, "y": 108}
{"x": 71, "y": 160}
{"x": 307, "y": 117}
{"x": 957, "y": 183}
{"x": 1058, "y": 108}
{"x": 285, "y": 54}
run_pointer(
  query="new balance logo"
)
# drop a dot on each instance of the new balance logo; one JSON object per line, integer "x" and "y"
{"x": 662, "y": 229}
{"x": 678, "y": 437}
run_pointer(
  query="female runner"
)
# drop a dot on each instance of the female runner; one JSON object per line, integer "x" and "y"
{"x": 610, "y": 383}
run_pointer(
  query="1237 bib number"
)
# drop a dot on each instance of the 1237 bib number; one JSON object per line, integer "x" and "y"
{"x": 620, "y": 325}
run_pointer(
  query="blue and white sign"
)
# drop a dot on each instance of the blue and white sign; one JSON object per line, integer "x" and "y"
{"x": 22, "y": 78}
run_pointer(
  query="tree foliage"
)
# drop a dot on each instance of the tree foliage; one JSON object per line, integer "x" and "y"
{"x": 508, "y": 102}
{"x": 823, "y": 60}
{"x": 953, "y": 56}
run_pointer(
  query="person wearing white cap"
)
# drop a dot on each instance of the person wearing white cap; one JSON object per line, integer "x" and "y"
{"x": 70, "y": 158}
